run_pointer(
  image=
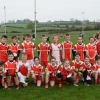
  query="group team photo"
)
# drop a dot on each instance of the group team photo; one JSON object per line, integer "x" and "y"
{"x": 49, "y": 50}
{"x": 54, "y": 62}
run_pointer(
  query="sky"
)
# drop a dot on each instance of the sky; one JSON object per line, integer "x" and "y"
{"x": 50, "y": 9}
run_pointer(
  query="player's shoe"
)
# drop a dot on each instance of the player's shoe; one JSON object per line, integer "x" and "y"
{"x": 46, "y": 86}
{"x": 9, "y": 87}
{"x": 86, "y": 84}
{"x": 60, "y": 85}
{"x": 17, "y": 87}
{"x": 75, "y": 85}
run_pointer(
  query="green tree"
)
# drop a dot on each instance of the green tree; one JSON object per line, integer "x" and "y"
{"x": 30, "y": 25}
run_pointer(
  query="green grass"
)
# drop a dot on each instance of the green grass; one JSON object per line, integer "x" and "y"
{"x": 9, "y": 29}
{"x": 53, "y": 93}
{"x": 18, "y": 25}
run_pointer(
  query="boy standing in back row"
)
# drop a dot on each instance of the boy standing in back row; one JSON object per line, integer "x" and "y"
{"x": 3, "y": 49}
{"x": 14, "y": 48}
{"x": 56, "y": 49}
{"x": 80, "y": 48}
{"x": 43, "y": 51}
{"x": 67, "y": 48}
{"x": 91, "y": 50}
{"x": 29, "y": 48}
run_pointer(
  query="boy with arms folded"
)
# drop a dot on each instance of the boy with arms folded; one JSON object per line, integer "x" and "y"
{"x": 37, "y": 72}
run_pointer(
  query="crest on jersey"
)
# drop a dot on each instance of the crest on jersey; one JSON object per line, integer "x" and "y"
{"x": 47, "y": 46}
{"x": 31, "y": 44}
{"x": 82, "y": 46}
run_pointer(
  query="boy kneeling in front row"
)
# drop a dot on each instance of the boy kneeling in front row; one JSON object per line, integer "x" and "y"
{"x": 87, "y": 71}
{"x": 64, "y": 73}
{"x": 51, "y": 72}
{"x": 10, "y": 68}
{"x": 37, "y": 72}
{"x": 2, "y": 78}
{"x": 23, "y": 70}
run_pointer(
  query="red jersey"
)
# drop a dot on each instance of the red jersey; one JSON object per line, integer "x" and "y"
{"x": 14, "y": 48}
{"x": 37, "y": 69}
{"x": 80, "y": 48}
{"x": 10, "y": 67}
{"x": 28, "y": 49}
{"x": 55, "y": 51}
{"x": 52, "y": 69}
{"x": 96, "y": 67}
{"x": 77, "y": 65}
{"x": 87, "y": 67}
{"x": 91, "y": 50}
{"x": 67, "y": 50}
{"x": 98, "y": 47}
{"x": 3, "y": 52}
{"x": 43, "y": 50}
{"x": 65, "y": 70}
{"x": 23, "y": 68}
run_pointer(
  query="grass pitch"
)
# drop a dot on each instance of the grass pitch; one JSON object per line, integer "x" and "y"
{"x": 71, "y": 92}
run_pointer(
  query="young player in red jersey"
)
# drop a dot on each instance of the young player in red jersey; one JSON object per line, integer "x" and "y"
{"x": 87, "y": 71}
{"x": 98, "y": 44}
{"x": 77, "y": 66}
{"x": 80, "y": 48}
{"x": 67, "y": 48}
{"x": 3, "y": 49}
{"x": 14, "y": 48}
{"x": 29, "y": 48}
{"x": 37, "y": 72}
{"x": 56, "y": 49}
{"x": 43, "y": 51}
{"x": 64, "y": 73}
{"x": 23, "y": 70}
{"x": 96, "y": 68}
{"x": 10, "y": 68}
{"x": 2, "y": 78}
{"x": 51, "y": 71}
{"x": 91, "y": 50}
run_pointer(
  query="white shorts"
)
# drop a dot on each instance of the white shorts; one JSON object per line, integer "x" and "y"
{"x": 88, "y": 78}
{"x": 22, "y": 78}
{"x": 31, "y": 62}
